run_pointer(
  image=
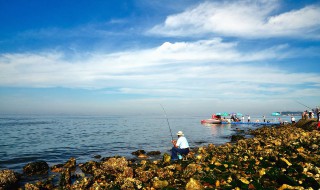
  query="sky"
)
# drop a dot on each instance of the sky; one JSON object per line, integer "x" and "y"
{"x": 193, "y": 57}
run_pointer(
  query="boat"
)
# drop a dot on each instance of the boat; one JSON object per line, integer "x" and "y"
{"x": 215, "y": 119}
{"x": 211, "y": 121}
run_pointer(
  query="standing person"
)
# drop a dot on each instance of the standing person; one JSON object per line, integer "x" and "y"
{"x": 180, "y": 146}
{"x": 293, "y": 120}
{"x": 248, "y": 118}
{"x": 264, "y": 118}
{"x": 317, "y": 112}
{"x": 318, "y": 116}
{"x": 242, "y": 118}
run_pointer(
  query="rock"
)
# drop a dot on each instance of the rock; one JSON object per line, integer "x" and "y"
{"x": 8, "y": 179}
{"x": 57, "y": 168}
{"x": 153, "y": 153}
{"x": 138, "y": 152}
{"x": 36, "y": 168}
{"x": 88, "y": 167}
{"x": 160, "y": 184}
{"x": 235, "y": 138}
{"x": 166, "y": 158}
{"x": 97, "y": 156}
{"x": 65, "y": 179}
{"x": 194, "y": 184}
{"x": 71, "y": 163}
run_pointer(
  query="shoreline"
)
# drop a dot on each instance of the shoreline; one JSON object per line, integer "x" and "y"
{"x": 285, "y": 156}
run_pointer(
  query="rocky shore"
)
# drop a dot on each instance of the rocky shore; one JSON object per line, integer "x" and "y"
{"x": 276, "y": 157}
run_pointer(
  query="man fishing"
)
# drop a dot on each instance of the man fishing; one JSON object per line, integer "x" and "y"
{"x": 180, "y": 146}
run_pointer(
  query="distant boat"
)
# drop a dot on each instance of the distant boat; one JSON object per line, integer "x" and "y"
{"x": 215, "y": 119}
{"x": 275, "y": 114}
{"x": 211, "y": 121}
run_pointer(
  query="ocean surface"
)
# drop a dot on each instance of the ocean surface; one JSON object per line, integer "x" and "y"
{"x": 55, "y": 139}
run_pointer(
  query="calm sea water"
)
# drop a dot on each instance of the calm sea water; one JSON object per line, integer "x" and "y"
{"x": 55, "y": 139}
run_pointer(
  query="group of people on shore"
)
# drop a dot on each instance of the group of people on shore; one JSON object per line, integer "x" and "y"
{"x": 310, "y": 114}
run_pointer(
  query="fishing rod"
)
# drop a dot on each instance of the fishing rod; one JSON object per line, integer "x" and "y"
{"x": 303, "y": 105}
{"x": 167, "y": 120}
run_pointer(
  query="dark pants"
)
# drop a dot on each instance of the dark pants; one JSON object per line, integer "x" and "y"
{"x": 175, "y": 151}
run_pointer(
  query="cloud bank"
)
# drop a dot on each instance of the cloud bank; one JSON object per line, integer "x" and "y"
{"x": 249, "y": 19}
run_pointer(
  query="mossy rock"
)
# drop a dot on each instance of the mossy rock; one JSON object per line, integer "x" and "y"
{"x": 311, "y": 182}
{"x": 36, "y": 168}
{"x": 284, "y": 179}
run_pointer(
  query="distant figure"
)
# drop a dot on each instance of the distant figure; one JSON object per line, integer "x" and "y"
{"x": 248, "y": 118}
{"x": 264, "y": 118}
{"x": 317, "y": 112}
{"x": 180, "y": 146}
{"x": 318, "y": 115}
{"x": 242, "y": 119}
{"x": 310, "y": 114}
{"x": 293, "y": 120}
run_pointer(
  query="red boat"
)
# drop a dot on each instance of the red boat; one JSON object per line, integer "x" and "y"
{"x": 216, "y": 119}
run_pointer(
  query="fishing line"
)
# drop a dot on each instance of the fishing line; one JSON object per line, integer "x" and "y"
{"x": 165, "y": 114}
{"x": 303, "y": 105}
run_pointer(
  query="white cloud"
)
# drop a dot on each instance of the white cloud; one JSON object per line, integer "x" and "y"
{"x": 201, "y": 69}
{"x": 249, "y": 19}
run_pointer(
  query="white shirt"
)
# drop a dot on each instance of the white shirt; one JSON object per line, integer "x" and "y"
{"x": 182, "y": 143}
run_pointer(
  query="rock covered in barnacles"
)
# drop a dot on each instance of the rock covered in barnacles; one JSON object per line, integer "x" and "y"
{"x": 36, "y": 168}
{"x": 191, "y": 170}
{"x": 71, "y": 163}
{"x": 65, "y": 179}
{"x": 117, "y": 167}
{"x": 131, "y": 183}
{"x": 89, "y": 167}
{"x": 8, "y": 179}
{"x": 159, "y": 184}
{"x": 166, "y": 158}
{"x": 29, "y": 186}
{"x": 194, "y": 184}
{"x": 84, "y": 183}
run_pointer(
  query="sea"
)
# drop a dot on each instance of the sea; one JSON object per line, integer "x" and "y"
{"x": 55, "y": 139}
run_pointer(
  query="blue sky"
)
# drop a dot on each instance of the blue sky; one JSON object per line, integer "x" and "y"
{"x": 128, "y": 57}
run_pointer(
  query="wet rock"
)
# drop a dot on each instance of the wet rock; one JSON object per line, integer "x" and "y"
{"x": 153, "y": 153}
{"x": 88, "y": 167}
{"x": 57, "y": 168}
{"x": 65, "y": 179}
{"x": 235, "y": 138}
{"x": 8, "y": 179}
{"x": 97, "y": 156}
{"x": 36, "y": 168}
{"x": 138, "y": 152}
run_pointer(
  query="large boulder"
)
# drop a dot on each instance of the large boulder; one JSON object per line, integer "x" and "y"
{"x": 36, "y": 168}
{"x": 8, "y": 179}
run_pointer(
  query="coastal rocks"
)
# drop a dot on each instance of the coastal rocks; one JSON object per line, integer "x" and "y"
{"x": 8, "y": 179}
{"x": 36, "y": 168}
{"x": 284, "y": 157}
